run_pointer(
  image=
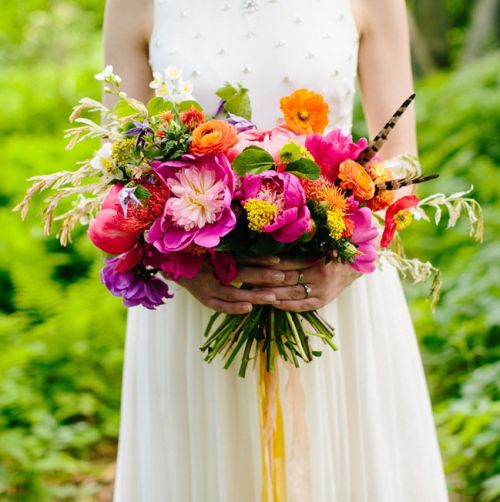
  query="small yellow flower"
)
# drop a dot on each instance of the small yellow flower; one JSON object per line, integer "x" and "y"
{"x": 336, "y": 223}
{"x": 259, "y": 213}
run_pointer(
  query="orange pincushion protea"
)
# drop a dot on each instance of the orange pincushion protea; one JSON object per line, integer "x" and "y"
{"x": 314, "y": 188}
{"x": 305, "y": 112}
{"x": 379, "y": 174}
{"x": 354, "y": 177}
{"x": 214, "y": 136}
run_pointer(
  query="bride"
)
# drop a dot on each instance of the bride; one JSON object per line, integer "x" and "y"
{"x": 190, "y": 431}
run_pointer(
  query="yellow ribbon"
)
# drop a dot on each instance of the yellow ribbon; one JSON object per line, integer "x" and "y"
{"x": 273, "y": 435}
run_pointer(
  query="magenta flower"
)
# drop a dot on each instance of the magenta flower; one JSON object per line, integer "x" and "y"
{"x": 176, "y": 264}
{"x": 276, "y": 204}
{"x": 330, "y": 150}
{"x": 364, "y": 237}
{"x": 136, "y": 287}
{"x": 225, "y": 267}
{"x": 198, "y": 210}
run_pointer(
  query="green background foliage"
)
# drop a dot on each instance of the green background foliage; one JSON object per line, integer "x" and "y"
{"x": 62, "y": 334}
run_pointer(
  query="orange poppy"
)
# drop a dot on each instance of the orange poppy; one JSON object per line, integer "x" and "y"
{"x": 305, "y": 112}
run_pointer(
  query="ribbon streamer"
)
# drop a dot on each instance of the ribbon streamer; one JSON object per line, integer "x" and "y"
{"x": 273, "y": 435}
{"x": 274, "y": 486}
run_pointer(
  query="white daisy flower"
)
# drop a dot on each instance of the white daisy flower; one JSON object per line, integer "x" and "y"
{"x": 157, "y": 80}
{"x": 102, "y": 158}
{"x": 172, "y": 72}
{"x": 163, "y": 91}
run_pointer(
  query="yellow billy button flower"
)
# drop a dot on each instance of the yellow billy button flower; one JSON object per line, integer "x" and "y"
{"x": 336, "y": 223}
{"x": 403, "y": 219}
{"x": 259, "y": 213}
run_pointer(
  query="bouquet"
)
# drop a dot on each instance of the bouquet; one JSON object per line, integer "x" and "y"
{"x": 173, "y": 189}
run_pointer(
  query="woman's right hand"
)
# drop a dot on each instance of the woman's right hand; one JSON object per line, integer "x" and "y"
{"x": 257, "y": 273}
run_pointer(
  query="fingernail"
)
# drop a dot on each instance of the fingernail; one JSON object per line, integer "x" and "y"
{"x": 278, "y": 276}
{"x": 269, "y": 298}
{"x": 248, "y": 308}
{"x": 274, "y": 260}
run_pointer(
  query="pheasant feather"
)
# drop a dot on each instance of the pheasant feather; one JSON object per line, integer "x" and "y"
{"x": 403, "y": 182}
{"x": 374, "y": 146}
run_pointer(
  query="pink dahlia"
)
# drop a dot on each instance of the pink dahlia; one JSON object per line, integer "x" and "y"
{"x": 275, "y": 204}
{"x": 364, "y": 236}
{"x": 198, "y": 210}
{"x": 330, "y": 150}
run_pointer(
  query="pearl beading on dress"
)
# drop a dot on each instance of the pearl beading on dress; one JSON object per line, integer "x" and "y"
{"x": 234, "y": 46}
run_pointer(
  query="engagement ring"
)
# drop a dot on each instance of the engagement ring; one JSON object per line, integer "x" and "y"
{"x": 307, "y": 289}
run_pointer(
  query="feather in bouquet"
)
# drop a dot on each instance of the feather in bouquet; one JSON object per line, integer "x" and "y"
{"x": 172, "y": 189}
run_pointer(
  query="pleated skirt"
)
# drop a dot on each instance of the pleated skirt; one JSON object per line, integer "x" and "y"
{"x": 190, "y": 431}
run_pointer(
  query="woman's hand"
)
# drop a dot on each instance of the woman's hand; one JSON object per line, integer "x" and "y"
{"x": 256, "y": 273}
{"x": 326, "y": 282}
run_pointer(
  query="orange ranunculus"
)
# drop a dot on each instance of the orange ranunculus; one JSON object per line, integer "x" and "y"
{"x": 354, "y": 177}
{"x": 214, "y": 136}
{"x": 305, "y": 112}
{"x": 379, "y": 174}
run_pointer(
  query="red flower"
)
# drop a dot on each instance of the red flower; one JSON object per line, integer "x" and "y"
{"x": 397, "y": 217}
{"x": 192, "y": 118}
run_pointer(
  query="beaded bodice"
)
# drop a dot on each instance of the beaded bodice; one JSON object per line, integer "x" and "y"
{"x": 272, "y": 47}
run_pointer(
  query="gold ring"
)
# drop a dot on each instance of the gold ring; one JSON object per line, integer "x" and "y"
{"x": 301, "y": 278}
{"x": 307, "y": 289}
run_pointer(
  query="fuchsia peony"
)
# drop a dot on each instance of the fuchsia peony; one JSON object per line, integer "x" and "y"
{"x": 199, "y": 208}
{"x": 104, "y": 231}
{"x": 364, "y": 237}
{"x": 276, "y": 204}
{"x": 330, "y": 150}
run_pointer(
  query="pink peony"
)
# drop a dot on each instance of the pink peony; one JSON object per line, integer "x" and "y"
{"x": 284, "y": 193}
{"x": 112, "y": 201}
{"x": 364, "y": 237}
{"x": 272, "y": 141}
{"x": 104, "y": 231}
{"x": 330, "y": 150}
{"x": 198, "y": 210}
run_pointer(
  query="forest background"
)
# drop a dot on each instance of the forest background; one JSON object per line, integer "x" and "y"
{"x": 62, "y": 334}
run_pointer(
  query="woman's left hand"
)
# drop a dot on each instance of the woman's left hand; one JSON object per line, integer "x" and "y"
{"x": 325, "y": 281}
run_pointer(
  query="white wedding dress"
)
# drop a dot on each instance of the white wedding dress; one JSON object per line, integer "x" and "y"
{"x": 190, "y": 431}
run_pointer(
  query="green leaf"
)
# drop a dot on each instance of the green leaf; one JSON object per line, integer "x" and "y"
{"x": 226, "y": 92}
{"x": 158, "y": 105}
{"x": 142, "y": 193}
{"x": 239, "y": 104}
{"x": 291, "y": 152}
{"x": 184, "y": 106}
{"x": 253, "y": 160}
{"x": 304, "y": 168}
{"x": 123, "y": 109}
